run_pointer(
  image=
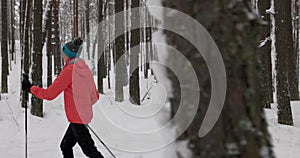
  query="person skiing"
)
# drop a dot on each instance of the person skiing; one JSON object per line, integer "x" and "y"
{"x": 80, "y": 93}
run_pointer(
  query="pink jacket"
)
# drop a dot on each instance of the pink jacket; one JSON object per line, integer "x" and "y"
{"x": 80, "y": 93}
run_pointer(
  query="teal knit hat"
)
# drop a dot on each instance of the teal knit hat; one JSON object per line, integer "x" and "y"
{"x": 73, "y": 49}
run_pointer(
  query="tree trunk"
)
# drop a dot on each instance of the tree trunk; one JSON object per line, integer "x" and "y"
{"x": 108, "y": 70}
{"x": 111, "y": 11}
{"x": 26, "y": 46}
{"x": 87, "y": 24}
{"x": 108, "y": 65}
{"x": 75, "y": 11}
{"x": 82, "y": 28}
{"x": 31, "y": 32}
{"x": 56, "y": 48}
{"x": 49, "y": 43}
{"x": 127, "y": 44}
{"x": 241, "y": 131}
{"x": 111, "y": 43}
{"x": 143, "y": 36}
{"x": 93, "y": 55}
{"x": 121, "y": 70}
{"x": 134, "y": 81}
{"x": 101, "y": 66}
{"x": 127, "y": 33}
{"x": 22, "y": 23}
{"x": 295, "y": 20}
{"x": 49, "y": 60}
{"x": 265, "y": 50}
{"x": 37, "y": 72}
{"x": 12, "y": 29}
{"x": 22, "y": 27}
{"x": 108, "y": 45}
{"x": 148, "y": 44}
{"x": 284, "y": 49}
{"x": 4, "y": 47}
{"x": 293, "y": 79}
{"x": 9, "y": 35}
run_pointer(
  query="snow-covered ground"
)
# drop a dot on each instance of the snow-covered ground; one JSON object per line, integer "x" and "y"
{"x": 45, "y": 134}
{"x": 286, "y": 139}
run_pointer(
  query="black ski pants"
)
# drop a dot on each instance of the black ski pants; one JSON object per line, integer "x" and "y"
{"x": 78, "y": 133}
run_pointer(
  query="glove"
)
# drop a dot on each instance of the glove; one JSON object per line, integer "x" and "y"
{"x": 26, "y": 84}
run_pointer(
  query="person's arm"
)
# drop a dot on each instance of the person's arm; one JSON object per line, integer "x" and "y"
{"x": 95, "y": 96}
{"x": 63, "y": 80}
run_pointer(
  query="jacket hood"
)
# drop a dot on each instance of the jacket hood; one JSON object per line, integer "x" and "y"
{"x": 81, "y": 68}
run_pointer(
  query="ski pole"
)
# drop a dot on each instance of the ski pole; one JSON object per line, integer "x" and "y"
{"x": 26, "y": 95}
{"x": 101, "y": 141}
{"x": 146, "y": 94}
{"x": 26, "y": 101}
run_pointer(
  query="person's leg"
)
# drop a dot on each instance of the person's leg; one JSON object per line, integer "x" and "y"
{"x": 85, "y": 141}
{"x": 67, "y": 143}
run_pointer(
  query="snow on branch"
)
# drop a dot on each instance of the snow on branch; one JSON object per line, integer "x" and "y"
{"x": 263, "y": 42}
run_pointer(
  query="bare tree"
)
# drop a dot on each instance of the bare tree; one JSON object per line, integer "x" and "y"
{"x": 66, "y": 20}
{"x": 284, "y": 49}
{"x": 12, "y": 26}
{"x": 75, "y": 15}
{"x": 121, "y": 69}
{"x": 148, "y": 43}
{"x": 37, "y": 104}
{"x": 127, "y": 33}
{"x": 82, "y": 27}
{"x": 22, "y": 13}
{"x": 49, "y": 43}
{"x": 27, "y": 34}
{"x": 87, "y": 25}
{"x": 111, "y": 44}
{"x": 4, "y": 47}
{"x": 55, "y": 37}
{"x": 265, "y": 51}
{"x": 134, "y": 81}
{"x": 101, "y": 65}
{"x": 25, "y": 61}
{"x": 295, "y": 22}
{"x": 241, "y": 131}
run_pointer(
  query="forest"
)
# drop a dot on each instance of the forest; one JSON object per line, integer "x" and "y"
{"x": 176, "y": 78}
